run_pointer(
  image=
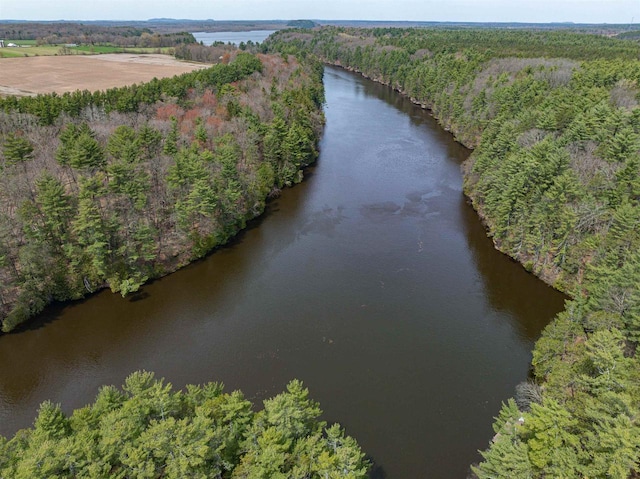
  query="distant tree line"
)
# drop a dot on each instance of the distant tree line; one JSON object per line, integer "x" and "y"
{"x": 195, "y": 52}
{"x": 554, "y": 120}
{"x": 148, "y": 430}
{"x": 34, "y": 30}
{"x": 302, "y": 24}
{"x": 93, "y": 34}
{"x": 109, "y": 189}
{"x": 629, "y": 35}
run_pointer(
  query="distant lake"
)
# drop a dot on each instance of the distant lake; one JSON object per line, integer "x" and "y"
{"x": 256, "y": 36}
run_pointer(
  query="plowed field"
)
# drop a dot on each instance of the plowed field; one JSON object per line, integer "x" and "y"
{"x": 32, "y": 75}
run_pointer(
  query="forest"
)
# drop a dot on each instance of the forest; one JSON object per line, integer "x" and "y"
{"x": 93, "y": 34}
{"x": 113, "y": 188}
{"x": 148, "y": 430}
{"x": 554, "y": 124}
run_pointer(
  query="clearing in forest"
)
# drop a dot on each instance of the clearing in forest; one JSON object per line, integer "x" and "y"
{"x": 33, "y": 75}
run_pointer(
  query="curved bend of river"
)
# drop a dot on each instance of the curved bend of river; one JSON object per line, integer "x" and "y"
{"x": 373, "y": 282}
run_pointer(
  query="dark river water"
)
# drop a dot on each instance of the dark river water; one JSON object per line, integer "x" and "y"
{"x": 373, "y": 282}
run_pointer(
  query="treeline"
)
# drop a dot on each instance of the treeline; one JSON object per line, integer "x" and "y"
{"x": 629, "y": 35}
{"x": 125, "y": 187}
{"x": 215, "y": 53}
{"x": 302, "y": 24}
{"x": 34, "y": 30}
{"x": 555, "y": 124}
{"x": 204, "y": 54}
{"x": 144, "y": 40}
{"x": 78, "y": 33}
{"x": 148, "y": 430}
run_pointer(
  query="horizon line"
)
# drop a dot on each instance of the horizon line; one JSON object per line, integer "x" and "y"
{"x": 280, "y": 20}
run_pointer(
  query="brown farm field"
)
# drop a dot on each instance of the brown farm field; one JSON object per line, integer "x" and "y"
{"x": 33, "y": 75}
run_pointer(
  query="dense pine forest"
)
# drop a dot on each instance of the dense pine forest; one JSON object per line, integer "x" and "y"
{"x": 113, "y": 188}
{"x": 148, "y": 430}
{"x": 554, "y": 122}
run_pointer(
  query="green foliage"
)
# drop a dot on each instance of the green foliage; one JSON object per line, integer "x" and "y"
{"x": 509, "y": 455}
{"x": 55, "y": 208}
{"x": 90, "y": 230}
{"x": 292, "y": 413}
{"x": 201, "y": 132}
{"x": 79, "y": 149}
{"x": 86, "y": 153}
{"x": 147, "y": 430}
{"x": 123, "y": 145}
{"x": 550, "y": 433}
{"x": 171, "y": 142}
{"x": 51, "y": 421}
{"x": 16, "y": 149}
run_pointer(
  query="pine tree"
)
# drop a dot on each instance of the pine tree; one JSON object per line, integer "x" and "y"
{"x": 56, "y": 207}
{"x": 17, "y": 149}
{"x": 123, "y": 145}
{"x": 550, "y": 434}
{"x": 201, "y": 133}
{"x": 87, "y": 153}
{"x": 171, "y": 141}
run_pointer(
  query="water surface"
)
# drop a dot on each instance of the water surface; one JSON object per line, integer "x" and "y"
{"x": 373, "y": 282}
{"x": 256, "y": 36}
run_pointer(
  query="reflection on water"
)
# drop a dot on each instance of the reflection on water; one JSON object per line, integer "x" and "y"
{"x": 373, "y": 282}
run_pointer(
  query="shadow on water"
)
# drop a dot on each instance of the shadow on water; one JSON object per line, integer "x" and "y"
{"x": 377, "y": 472}
{"x": 50, "y": 314}
{"x": 502, "y": 275}
{"x": 139, "y": 296}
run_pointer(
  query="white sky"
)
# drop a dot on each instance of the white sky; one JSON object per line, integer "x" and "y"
{"x": 579, "y": 11}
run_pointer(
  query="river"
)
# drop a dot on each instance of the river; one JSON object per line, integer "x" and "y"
{"x": 372, "y": 281}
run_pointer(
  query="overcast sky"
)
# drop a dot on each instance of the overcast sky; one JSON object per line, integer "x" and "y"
{"x": 579, "y": 11}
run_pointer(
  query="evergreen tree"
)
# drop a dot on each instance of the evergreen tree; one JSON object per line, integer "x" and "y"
{"x": 124, "y": 145}
{"x": 171, "y": 141}
{"x": 17, "y": 149}
{"x": 87, "y": 153}
{"x": 148, "y": 430}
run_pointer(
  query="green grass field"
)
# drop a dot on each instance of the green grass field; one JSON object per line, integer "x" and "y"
{"x": 28, "y": 51}
{"x": 21, "y": 42}
{"x": 28, "y": 48}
